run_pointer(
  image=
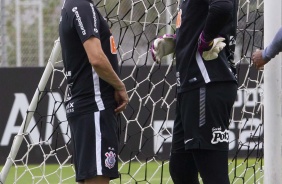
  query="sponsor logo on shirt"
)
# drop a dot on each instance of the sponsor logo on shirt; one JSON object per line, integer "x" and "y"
{"x": 70, "y": 107}
{"x": 78, "y": 18}
{"x": 94, "y": 18}
{"x": 177, "y": 78}
{"x": 68, "y": 94}
{"x": 113, "y": 45}
{"x": 219, "y": 135}
{"x": 68, "y": 73}
{"x": 178, "y": 19}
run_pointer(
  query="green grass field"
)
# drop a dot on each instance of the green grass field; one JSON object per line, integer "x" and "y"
{"x": 136, "y": 172}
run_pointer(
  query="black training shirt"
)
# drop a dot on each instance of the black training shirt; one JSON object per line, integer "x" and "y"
{"x": 87, "y": 93}
{"x": 216, "y": 18}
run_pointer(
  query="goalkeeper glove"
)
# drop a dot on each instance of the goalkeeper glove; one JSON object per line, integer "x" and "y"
{"x": 209, "y": 50}
{"x": 163, "y": 46}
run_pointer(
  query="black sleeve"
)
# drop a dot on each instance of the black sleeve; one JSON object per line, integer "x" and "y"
{"x": 86, "y": 21}
{"x": 219, "y": 13}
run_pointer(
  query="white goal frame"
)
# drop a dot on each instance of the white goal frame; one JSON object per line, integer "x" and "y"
{"x": 272, "y": 97}
{"x": 56, "y": 51}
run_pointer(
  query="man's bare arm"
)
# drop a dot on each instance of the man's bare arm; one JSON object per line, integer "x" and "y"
{"x": 104, "y": 69}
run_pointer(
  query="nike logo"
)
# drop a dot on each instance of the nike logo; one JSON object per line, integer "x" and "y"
{"x": 188, "y": 140}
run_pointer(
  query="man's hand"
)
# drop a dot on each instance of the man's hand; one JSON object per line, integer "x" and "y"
{"x": 258, "y": 61}
{"x": 121, "y": 98}
{"x": 209, "y": 50}
{"x": 163, "y": 46}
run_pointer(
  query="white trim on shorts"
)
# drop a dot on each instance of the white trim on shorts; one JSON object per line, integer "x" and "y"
{"x": 98, "y": 142}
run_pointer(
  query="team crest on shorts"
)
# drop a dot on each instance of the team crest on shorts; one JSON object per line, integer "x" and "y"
{"x": 110, "y": 159}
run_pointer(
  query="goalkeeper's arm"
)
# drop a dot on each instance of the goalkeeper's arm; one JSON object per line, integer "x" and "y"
{"x": 210, "y": 43}
{"x": 163, "y": 46}
{"x": 220, "y": 11}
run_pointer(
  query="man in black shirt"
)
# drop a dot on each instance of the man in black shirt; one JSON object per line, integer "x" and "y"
{"x": 95, "y": 94}
{"x": 206, "y": 84}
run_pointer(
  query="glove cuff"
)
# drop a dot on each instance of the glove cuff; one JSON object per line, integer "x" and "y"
{"x": 173, "y": 36}
{"x": 204, "y": 45}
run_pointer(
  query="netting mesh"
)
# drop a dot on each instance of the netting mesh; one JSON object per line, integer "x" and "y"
{"x": 146, "y": 125}
{"x": 247, "y": 164}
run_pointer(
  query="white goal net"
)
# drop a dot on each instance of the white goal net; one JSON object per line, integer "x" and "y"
{"x": 41, "y": 151}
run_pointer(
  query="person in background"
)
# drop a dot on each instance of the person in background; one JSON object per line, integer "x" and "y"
{"x": 261, "y": 57}
{"x": 204, "y": 46}
{"x": 95, "y": 93}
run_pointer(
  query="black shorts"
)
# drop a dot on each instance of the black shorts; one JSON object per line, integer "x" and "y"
{"x": 95, "y": 144}
{"x": 202, "y": 117}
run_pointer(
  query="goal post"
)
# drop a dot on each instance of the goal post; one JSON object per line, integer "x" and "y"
{"x": 272, "y": 97}
{"x": 30, "y": 111}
